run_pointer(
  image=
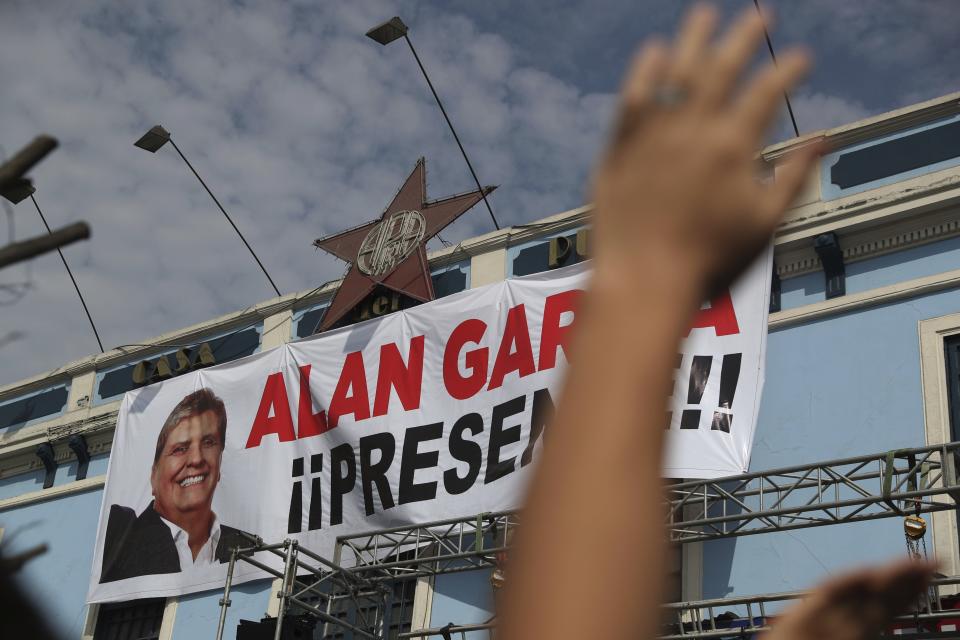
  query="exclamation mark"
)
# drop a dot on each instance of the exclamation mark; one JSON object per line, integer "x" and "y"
{"x": 699, "y": 372}
{"x": 676, "y": 368}
{"x": 295, "y": 517}
{"x": 729, "y": 374}
{"x": 316, "y": 500}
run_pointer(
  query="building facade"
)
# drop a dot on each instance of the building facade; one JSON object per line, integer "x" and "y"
{"x": 863, "y": 357}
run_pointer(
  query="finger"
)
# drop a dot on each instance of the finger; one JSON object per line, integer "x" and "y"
{"x": 646, "y": 71}
{"x": 790, "y": 180}
{"x": 692, "y": 41}
{"x": 732, "y": 55}
{"x": 645, "y": 74}
{"x": 758, "y": 105}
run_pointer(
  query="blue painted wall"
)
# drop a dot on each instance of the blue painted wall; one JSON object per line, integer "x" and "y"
{"x": 462, "y": 598}
{"x": 66, "y": 473}
{"x": 198, "y": 613}
{"x": 58, "y": 579}
{"x": 839, "y": 387}
{"x": 926, "y": 260}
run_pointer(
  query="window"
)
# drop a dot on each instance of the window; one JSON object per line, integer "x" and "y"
{"x": 951, "y": 347}
{"x": 451, "y": 279}
{"x": 43, "y": 404}
{"x": 561, "y": 250}
{"x": 940, "y": 381}
{"x": 307, "y": 321}
{"x": 894, "y": 157}
{"x": 397, "y": 615}
{"x": 397, "y": 618}
{"x": 117, "y": 381}
{"x": 135, "y": 620}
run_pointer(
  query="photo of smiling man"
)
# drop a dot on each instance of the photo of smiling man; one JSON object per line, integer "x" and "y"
{"x": 178, "y": 530}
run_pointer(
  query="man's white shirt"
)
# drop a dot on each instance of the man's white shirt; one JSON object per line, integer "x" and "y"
{"x": 208, "y": 552}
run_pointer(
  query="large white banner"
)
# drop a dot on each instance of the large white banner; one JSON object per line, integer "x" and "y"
{"x": 425, "y": 414}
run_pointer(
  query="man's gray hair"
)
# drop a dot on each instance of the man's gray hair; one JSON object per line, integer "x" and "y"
{"x": 194, "y": 404}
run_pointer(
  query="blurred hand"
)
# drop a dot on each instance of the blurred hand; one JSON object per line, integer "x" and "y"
{"x": 854, "y": 607}
{"x": 680, "y": 176}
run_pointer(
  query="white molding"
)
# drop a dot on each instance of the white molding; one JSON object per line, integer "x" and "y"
{"x": 18, "y": 449}
{"x": 883, "y": 205}
{"x": 488, "y": 268}
{"x": 277, "y": 330}
{"x": 169, "y": 618}
{"x": 873, "y": 127}
{"x": 422, "y": 604}
{"x": 866, "y": 299}
{"x": 81, "y": 391}
{"x": 691, "y": 577}
{"x": 63, "y": 426}
{"x": 90, "y": 621}
{"x": 273, "y": 604}
{"x": 796, "y": 258}
{"x": 58, "y": 491}
{"x": 936, "y": 425}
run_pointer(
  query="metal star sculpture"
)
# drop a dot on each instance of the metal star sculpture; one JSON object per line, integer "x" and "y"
{"x": 391, "y": 250}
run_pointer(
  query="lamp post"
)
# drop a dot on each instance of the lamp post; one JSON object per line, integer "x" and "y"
{"x": 394, "y": 29}
{"x": 96, "y": 334}
{"x": 15, "y": 187}
{"x": 155, "y": 138}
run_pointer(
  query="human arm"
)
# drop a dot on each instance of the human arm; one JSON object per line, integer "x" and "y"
{"x": 678, "y": 214}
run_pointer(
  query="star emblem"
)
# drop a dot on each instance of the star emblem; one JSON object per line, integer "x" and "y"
{"x": 391, "y": 250}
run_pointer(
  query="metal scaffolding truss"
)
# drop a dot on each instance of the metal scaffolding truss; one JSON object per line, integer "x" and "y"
{"x": 882, "y": 485}
{"x": 446, "y": 546}
{"x": 847, "y": 490}
{"x": 313, "y": 585}
{"x": 741, "y": 617}
{"x": 753, "y": 614}
{"x": 896, "y": 483}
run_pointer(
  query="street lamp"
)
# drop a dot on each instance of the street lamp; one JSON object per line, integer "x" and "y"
{"x": 17, "y": 190}
{"x": 16, "y": 187}
{"x": 155, "y": 138}
{"x": 394, "y": 29}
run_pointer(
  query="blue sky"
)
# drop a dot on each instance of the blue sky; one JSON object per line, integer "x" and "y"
{"x": 302, "y": 126}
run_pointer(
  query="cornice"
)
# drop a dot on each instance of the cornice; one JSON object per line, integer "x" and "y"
{"x": 881, "y": 221}
{"x": 873, "y": 127}
{"x": 865, "y": 300}
{"x": 59, "y": 491}
{"x": 18, "y": 448}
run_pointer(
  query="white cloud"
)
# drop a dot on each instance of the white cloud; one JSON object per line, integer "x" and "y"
{"x": 822, "y": 111}
{"x": 299, "y": 124}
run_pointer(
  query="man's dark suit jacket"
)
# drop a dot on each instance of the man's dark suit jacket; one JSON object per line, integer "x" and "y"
{"x": 143, "y": 545}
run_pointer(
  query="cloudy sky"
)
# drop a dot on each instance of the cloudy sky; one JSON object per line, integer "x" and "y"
{"x": 302, "y": 127}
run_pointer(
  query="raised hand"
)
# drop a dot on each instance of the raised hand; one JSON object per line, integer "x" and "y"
{"x": 856, "y": 606}
{"x": 681, "y": 169}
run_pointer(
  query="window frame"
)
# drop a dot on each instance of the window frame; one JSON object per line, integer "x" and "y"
{"x": 513, "y": 250}
{"x": 96, "y": 400}
{"x": 933, "y": 334}
{"x": 831, "y": 191}
{"x": 166, "y": 621}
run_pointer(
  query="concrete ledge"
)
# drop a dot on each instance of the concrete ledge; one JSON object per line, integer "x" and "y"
{"x": 60, "y": 491}
{"x": 865, "y": 300}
